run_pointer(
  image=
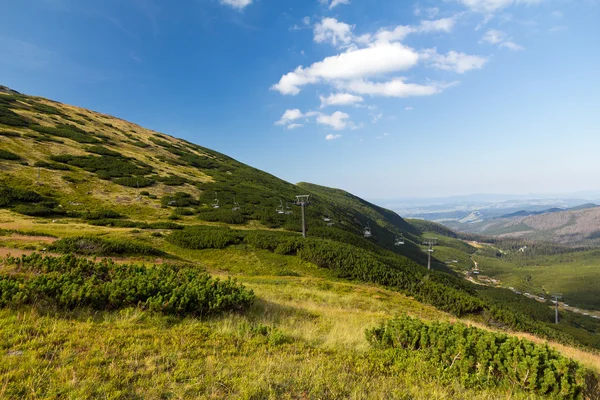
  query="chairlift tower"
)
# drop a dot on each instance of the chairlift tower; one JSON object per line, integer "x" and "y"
{"x": 555, "y": 298}
{"x": 430, "y": 242}
{"x": 303, "y": 201}
{"x": 215, "y": 203}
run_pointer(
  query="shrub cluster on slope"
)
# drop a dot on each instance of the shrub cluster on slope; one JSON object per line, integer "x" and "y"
{"x": 445, "y": 292}
{"x": 347, "y": 261}
{"x": 102, "y": 247}
{"x": 484, "y": 359}
{"x": 69, "y": 282}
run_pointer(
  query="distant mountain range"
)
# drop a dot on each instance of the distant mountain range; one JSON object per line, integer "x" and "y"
{"x": 578, "y": 225}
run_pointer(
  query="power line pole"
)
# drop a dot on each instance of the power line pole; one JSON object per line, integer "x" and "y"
{"x": 302, "y": 201}
{"x": 555, "y": 298}
{"x": 430, "y": 242}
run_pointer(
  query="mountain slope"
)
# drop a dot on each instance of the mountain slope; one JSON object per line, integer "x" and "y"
{"x": 76, "y": 181}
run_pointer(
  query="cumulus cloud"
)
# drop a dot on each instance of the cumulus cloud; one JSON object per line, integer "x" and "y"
{"x": 512, "y": 46}
{"x": 340, "y": 99}
{"x": 332, "y": 136}
{"x": 379, "y": 58}
{"x": 493, "y": 36}
{"x": 453, "y": 61}
{"x": 332, "y": 31}
{"x": 290, "y": 116}
{"x": 334, "y": 3}
{"x": 237, "y": 4}
{"x": 500, "y": 38}
{"x": 489, "y": 7}
{"x": 337, "y": 120}
{"x": 393, "y": 88}
{"x": 400, "y": 32}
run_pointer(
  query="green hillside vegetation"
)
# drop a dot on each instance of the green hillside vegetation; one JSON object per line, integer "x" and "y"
{"x": 162, "y": 319}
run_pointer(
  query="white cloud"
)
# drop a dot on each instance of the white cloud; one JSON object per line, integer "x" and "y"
{"x": 237, "y": 4}
{"x": 290, "y": 116}
{"x": 379, "y": 58}
{"x": 400, "y": 32}
{"x": 408, "y": 108}
{"x": 332, "y": 136}
{"x": 393, "y": 88}
{"x": 334, "y": 3}
{"x": 437, "y": 25}
{"x": 432, "y": 12}
{"x": 557, "y": 14}
{"x": 512, "y": 46}
{"x": 486, "y": 6}
{"x": 453, "y": 61}
{"x": 332, "y": 31}
{"x": 337, "y": 120}
{"x": 340, "y": 99}
{"x": 306, "y": 20}
{"x": 494, "y": 36}
{"x": 377, "y": 117}
{"x": 500, "y": 38}
{"x": 489, "y": 7}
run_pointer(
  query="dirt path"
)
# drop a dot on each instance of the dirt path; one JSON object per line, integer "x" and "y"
{"x": 26, "y": 238}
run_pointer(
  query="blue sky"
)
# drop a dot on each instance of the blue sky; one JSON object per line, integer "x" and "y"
{"x": 386, "y": 99}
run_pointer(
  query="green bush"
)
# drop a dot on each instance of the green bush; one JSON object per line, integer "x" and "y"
{"x": 183, "y": 211}
{"x": 172, "y": 180}
{"x": 100, "y": 214}
{"x": 119, "y": 223}
{"x": 102, "y": 247}
{"x": 9, "y": 134}
{"x": 134, "y": 181}
{"x": 69, "y": 282}
{"x": 484, "y": 359}
{"x": 7, "y": 155}
{"x": 8, "y": 117}
{"x": 103, "y": 151}
{"x": 53, "y": 166}
{"x": 105, "y": 167}
{"x": 67, "y": 131}
{"x": 205, "y": 237}
{"x": 179, "y": 199}
{"x": 140, "y": 144}
{"x": 12, "y": 195}
{"x": 38, "y": 210}
{"x": 222, "y": 215}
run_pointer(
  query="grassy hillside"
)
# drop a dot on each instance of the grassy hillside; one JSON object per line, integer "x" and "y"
{"x": 163, "y": 319}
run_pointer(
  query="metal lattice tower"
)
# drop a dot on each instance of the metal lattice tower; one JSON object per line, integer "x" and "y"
{"x": 430, "y": 242}
{"x": 303, "y": 201}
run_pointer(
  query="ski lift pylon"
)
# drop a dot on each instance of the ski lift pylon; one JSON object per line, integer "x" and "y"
{"x": 236, "y": 205}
